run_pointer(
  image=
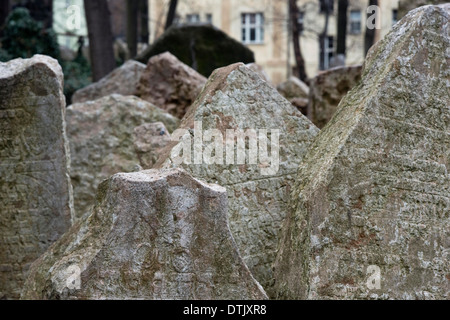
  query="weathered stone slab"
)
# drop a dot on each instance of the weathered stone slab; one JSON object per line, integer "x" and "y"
{"x": 372, "y": 196}
{"x": 326, "y": 91}
{"x": 35, "y": 192}
{"x": 149, "y": 141}
{"x": 101, "y": 141}
{"x": 170, "y": 84}
{"x": 293, "y": 88}
{"x": 235, "y": 98}
{"x": 152, "y": 235}
{"x": 123, "y": 80}
{"x": 260, "y": 71}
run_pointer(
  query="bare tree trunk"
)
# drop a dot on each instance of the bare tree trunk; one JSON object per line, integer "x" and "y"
{"x": 171, "y": 13}
{"x": 132, "y": 27}
{"x": 5, "y": 6}
{"x": 100, "y": 37}
{"x": 342, "y": 27}
{"x": 143, "y": 9}
{"x": 300, "y": 62}
{"x": 324, "y": 33}
{"x": 369, "y": 38}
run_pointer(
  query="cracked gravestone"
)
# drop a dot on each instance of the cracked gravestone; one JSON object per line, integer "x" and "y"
{"x": 326, "y": 91}
{"x": 170, "y": 84}
{"x": 370, "y": 208}
{"x": 123, "y": 80}
{"x": 100, "y": 133}
{"x": 35, "y": 191}
{"x": 257, "y": 170}
{"x": 156, "y": 234}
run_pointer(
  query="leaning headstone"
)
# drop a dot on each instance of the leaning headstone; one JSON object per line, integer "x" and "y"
{"x": 370, "y": 207}
{"x": 326, "y": 91}
{"x": 293, "y": 88}
{"x": 100, "y": 133}
{"x": 170, "y": 84}
{"x": 35, "y": 192}
{"x": 123, "y": 80}
{"x": 237, "y": 102}
{"x": 152, "y": 235}
{"x": 149, "y": 141}
{"x": 202, "y": 47}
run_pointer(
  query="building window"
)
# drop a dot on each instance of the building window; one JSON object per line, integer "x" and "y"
{"x": 193, "y": 18}
{"x": 355, "y": 21}
{"x": 209, "y": 18}
{"x": 328, "y": 53}
{"x": 252, "y": 28}
{"x": 326, "y": 3}
{"x": 394, "y": 16}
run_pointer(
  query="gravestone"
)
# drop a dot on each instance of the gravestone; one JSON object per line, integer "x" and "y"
{"x": 149, "y": 140}
{"x": 370, "y": 207}
{"x": 170, "y": 84}
{"x": 326, "y": 91}
{"x": 100, "y": 133}
{"x": 123, "y": 80}
{"x": 152, "y": 235}
{"x": 293, "y": 88}
{"x": 35, "y": 191}
{"x": 234, "y": 100}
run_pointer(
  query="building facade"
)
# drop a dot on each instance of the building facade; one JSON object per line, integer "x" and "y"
{"x": 263, "y": 25}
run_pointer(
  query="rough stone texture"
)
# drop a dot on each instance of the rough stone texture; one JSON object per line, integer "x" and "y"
{"x": 149, "y": 140}
{"x": 374, "y": 187}
{"x": 152, "y": 235}
{"x": 170, "y": 84}
{"x": 260, "y": 71}
{"x": 293, "y": 88}
{"x": 237, "y": 98}
{"x": 202, "y": 47}
{"x": 101, "y": 141}
{"x": 301, "y": 104}
{"x": 123, "y": 80}
{"x": 35, "y": 192}
{"x": 326, "y": 91}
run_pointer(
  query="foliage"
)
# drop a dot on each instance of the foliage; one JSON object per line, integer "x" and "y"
{"x": 24, "y": 37}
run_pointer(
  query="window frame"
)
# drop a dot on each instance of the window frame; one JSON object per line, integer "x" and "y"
{"x": 247, "y": 26}
{"x": 352, "y": 22}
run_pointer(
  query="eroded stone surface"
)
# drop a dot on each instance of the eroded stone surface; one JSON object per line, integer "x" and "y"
{"x": 149, "y": 140}
{"x": 35, "y": 192}
{"x": 101, "y": 141}
{"x": 236, "y": 98}
{"x": 326, "y": 91}
{"x": 373, "y": 191}
{"x": 123, "y": 80}
{"x": 293, "y": 88}
{"x": 260, "y": 71}
{"x": 152, "y": 235}
{"x": 170, "y": 84}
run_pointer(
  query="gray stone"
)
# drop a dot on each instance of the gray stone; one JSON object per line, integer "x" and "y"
{"x": 152, "y": 235}
{"x": 372, "y": 194}
{"x": 236, "y": 98}
{"x": 35, "y": 191}
{"x": 123, "y": 80}
{"x": 101, "y": 141}
{"x": 260, "y": 71}
{"x": 170, "y": 84}
{"x": 149, "y": 140}
{"x": 293, "y": 88}
{"x": 326, "y": 91}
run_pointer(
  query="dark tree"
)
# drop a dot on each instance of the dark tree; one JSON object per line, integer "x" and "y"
{"x": 327, "y": 8}
{"x": 171, "y": 13}
{"x": 100, "y": 37}
{"x": 132, "y": 26}
{"x": 294, "y": 14}
{"x": 144, "y": 32}
{"x": 342, "y": 27}
{"x": 5, "y": 6}
{"x": 369, "y": 38}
